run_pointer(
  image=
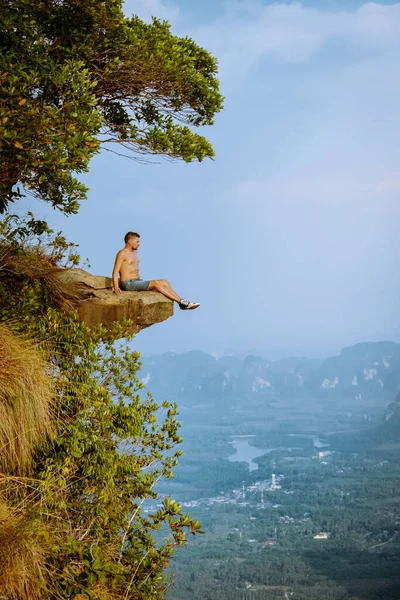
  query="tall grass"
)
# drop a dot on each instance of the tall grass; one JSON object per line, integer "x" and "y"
{"x": 24, "y": 544}
{"x": 34, "y": 265}
{"x": 25, "y": 401}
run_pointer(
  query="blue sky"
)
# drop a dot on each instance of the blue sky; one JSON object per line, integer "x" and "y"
{"x": 290, "y": 238}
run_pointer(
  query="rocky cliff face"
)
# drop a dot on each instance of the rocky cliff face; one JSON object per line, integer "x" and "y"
{"x": 99, "y": 304}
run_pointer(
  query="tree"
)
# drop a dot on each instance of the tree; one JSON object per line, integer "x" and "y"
{"x": 79, "y": 75}
{"x": 72, "y": 512}
{"x": 79, "y": 466}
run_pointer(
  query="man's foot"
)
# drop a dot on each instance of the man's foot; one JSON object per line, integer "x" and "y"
{"x": 186, "y": 305}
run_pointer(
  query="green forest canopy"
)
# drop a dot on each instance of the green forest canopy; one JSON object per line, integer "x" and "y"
{"x": 76, "y": 76}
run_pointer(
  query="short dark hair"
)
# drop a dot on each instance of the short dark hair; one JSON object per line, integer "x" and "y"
{"x": 130, "y": 235}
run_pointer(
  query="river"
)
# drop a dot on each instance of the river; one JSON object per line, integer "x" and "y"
{"x": 246, "y": 453}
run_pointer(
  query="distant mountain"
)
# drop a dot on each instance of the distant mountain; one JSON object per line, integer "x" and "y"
{"x": 366, "y": 439}
{"x": 363, "y": 370}
{"x": 389, "y": 430}
{"x": 191, "y": 377}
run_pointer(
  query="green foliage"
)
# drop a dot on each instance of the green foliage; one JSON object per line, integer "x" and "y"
{"x": 113, "y": 445}
{"x": 75, "y": 75}
{"x": 48, "y": 115}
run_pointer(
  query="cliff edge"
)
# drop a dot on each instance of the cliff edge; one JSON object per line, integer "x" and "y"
{"x": 99, "y": 305}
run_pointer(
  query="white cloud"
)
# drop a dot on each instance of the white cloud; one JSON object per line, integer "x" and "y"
{"x": 146, "y": 9}
{"x": 390, "y": 183}
{"x": 293, "y": 33}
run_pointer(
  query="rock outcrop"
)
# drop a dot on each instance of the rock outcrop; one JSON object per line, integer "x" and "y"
{"x": 99, "y": 305}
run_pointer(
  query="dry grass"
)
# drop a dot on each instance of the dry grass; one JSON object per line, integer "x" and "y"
{"x": 24, "y": 544}
{"x": 25, "y": 401}
{"x": 36, "y": 266}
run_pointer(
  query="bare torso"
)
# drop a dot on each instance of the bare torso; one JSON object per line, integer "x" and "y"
{"x": 129, "y": 268}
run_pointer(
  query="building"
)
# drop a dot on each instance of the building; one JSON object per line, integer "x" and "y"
{"x": 325, "y": 453}
{"x": 322, "y": 535}
{"x": 270, "y": 542}
{"x": 273, "y": 484}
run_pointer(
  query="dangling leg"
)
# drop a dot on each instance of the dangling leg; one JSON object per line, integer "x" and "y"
{"x": 163, "y": 286}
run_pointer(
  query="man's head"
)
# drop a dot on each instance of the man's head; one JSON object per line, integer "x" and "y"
{"x": 132, "y": 240}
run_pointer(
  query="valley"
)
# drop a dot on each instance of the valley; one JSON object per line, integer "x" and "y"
{"x": 298, "y": 494}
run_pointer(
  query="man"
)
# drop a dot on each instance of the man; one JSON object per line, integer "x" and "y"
{"x": 127, "y": 266}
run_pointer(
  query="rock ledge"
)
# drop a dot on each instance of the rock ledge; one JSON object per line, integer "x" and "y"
{"x": 99, "y": 304}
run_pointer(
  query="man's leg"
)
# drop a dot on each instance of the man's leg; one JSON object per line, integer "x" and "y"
{"x": 163, "y": 286}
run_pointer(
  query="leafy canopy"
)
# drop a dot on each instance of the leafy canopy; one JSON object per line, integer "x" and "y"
{"x": 78, "y": 75}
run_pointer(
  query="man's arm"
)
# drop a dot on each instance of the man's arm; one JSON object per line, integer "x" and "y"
{"x": 117, "y": 266}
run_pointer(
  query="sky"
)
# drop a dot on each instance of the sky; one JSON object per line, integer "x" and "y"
{"x": 290, "y": 238}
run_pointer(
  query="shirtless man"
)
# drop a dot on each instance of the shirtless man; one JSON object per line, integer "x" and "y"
{"x": 127, "y": 266}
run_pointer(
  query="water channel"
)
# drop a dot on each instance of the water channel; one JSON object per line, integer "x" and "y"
{"x": 246, "y": 453}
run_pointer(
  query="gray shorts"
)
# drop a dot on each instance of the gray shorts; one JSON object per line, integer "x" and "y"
{"x": 134, "y": 285}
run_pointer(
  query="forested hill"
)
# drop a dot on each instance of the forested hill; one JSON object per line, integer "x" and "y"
{"x": 358, "y": 372}
{"x": 389, "y": 429}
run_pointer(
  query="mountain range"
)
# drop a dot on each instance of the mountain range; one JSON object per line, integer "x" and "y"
{"x": 358, "y": 372}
